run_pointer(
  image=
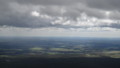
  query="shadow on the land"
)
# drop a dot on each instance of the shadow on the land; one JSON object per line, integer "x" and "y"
{"x": 60, "y": 63}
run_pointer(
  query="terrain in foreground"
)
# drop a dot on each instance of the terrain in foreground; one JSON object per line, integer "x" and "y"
{"x": 56, "y": 52}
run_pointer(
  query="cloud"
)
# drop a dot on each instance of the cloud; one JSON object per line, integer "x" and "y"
{"x": 60, "y": 14}
{"x": 104, "y": 4}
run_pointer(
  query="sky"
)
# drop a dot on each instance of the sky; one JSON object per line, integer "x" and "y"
{"x": 79, "y": 18}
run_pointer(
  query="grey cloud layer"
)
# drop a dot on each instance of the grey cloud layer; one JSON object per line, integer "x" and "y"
{"x": 59, "y": 13}
{"x": 104, "y": 4}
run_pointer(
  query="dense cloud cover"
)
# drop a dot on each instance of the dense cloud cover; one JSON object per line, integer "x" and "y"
{"x": 60, "y": 13}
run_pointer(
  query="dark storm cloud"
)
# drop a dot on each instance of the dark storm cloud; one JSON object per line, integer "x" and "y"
{"x": 17, "y": 13}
